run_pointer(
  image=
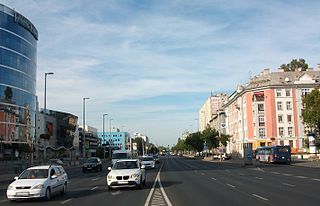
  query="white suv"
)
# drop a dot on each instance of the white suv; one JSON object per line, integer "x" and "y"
{"x": 126, "y": 173}
{"x": 38, "y": 182}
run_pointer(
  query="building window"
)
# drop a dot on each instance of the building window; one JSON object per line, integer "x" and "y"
{"x": 290, "y": 131}
{"x": 262, "y": 132}
{"x": 278, "y": 92}
{"x": 291, "y": 143}
{"x": 281, "y": 143}
{"x": 280, "y": 119}
{"x": 279, "y": 105}
{"x": 288, "y": 93}
{"x": 260, "y": 107}
{"x": 281, "y": 131}
{"x": 261, "y": 121}
{"x": 289, "y": 118}
{"x": 289, "y": 105}
{"x": 304, "y": 92}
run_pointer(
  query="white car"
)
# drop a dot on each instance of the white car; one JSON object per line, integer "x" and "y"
{"x": 148, "y": 161}
{"x": 126, "y": 173}
{"x": 38, "y": 182}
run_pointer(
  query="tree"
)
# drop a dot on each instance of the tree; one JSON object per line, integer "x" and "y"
{"x": 194, "y": 142}
{"x": 210, "y": 137}
{"x": 294, "y": 65}
{"x": 139, "y": 140}
{"x": 224, "y": 139}
{"x": 180, "y": 146}
{"x": 311, "y": 113}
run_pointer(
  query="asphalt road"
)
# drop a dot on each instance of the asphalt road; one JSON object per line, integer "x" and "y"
{"x": 184, "y": 182}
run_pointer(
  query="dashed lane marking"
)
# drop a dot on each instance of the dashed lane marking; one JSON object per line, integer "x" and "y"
{"x": 213, "y": 178}
{"x": 2, "y": 201}
{"x": 68, "y": 200}
{"x": 118, "y": 192}
{"x": 287, "y": 184}
{"x": 277, "y": 173}
{"x": 316, "y": 180}
{"x": 259, "y": 178}
{"x": 202, "y": 174}
{"x": 96, "y": 179}
{"x": 94, "y": 188}
{"x": 301, "y": 177}
{"x": 260, "y": 197}
{"x": 231, "y": 185}
{"x": 286, "y": 174}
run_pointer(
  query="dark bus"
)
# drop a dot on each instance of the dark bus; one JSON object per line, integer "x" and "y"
{"x": 274, "y": 154}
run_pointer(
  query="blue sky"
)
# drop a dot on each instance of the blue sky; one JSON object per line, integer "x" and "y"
{"x": 152, "y": 64}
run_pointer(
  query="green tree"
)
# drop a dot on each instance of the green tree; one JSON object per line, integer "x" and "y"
{"x": 224, "y": 139}
{"x": 139, "y": 140}
{"x": 210, "y": 137}
{"x": 294, "y": 65}
{"x": 194, "y": 142}
{"x": 311, "y": 113}
{"x": 180, "y": 146}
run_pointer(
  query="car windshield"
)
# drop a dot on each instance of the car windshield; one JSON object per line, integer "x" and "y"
{"x": 34, "y": 174}
{"x": 147, "y": 159}
{"x": 119, "y": 155}
{"x": 125, "y": 165}
{"x": 92, "y": 160}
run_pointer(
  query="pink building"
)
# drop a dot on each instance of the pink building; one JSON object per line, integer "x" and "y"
{"x": 267, "y": 110}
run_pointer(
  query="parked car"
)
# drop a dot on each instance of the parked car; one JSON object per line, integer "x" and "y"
{"x": 126, "y": 173}
{"x": 39, "y": 182}
{"x": 55, "y": 162}
{"x": 148, "y": 161}
{"x": 92, "y": 164}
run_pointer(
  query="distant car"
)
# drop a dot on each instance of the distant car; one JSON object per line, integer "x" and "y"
{"x": 156, "y": 158}
{"x": 38, "y": 182}
{"x": 126, "y": 173}
{"x": 148, "y": 161}
{"x": 92, "y": 164}
{"x": 55, "y": 162}
{"x": 118, "y": 155}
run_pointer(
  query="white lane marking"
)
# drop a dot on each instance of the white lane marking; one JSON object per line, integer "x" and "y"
{"x": 96, "y": 179}
{"x": 258, "y": 196}
{"x": 287, "y": 184}
{"x": 286, "y": 174}
{"x": 64, "y": 202}
{"x": 94, "y": 188}
{"x": 259, "y": 178}
{"x": 213, "y": 178}
{"x": 161, "y": 189}
{"x": 316, "y": 179}
{"x": 116, "y": 193}
{"x": 277, "y": 173}
{"x": 301, "y": 177}
{"x": 202, "y": 174}
{"x": 231, "y": 185}
{"x": 1, "y": 201}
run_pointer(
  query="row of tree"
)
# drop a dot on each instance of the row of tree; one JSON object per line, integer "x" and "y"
{"x": 197, "y": 141}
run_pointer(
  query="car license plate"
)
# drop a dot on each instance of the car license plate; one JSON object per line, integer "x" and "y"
{"x": 123, "y": 182}
{"x": 22, "y": 194}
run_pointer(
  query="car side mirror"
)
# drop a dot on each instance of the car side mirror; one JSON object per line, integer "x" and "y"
{"x": 109, "y": 168}
{"x": 54, "y": 176}
{"x": 143, "y": 167}
{"x": 16, "y": 177}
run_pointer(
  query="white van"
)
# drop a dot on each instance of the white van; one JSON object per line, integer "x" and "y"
{"x": 119, "y": 154}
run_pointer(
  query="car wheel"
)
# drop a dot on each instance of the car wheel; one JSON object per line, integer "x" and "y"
{"x": 140, "y": 186}
{"x": 48, "y": 194}
{"x": 64, "y": 189}
{"x": 144, "y": 181}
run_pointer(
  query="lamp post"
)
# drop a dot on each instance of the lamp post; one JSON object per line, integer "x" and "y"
{"x": 45, "y": 114}
{"x": 83, "y": 126}
{"x": 104, "y": 136}
{"x": 111, "y": 140}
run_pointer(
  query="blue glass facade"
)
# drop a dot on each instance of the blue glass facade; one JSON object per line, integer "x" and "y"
{"x": 18, "y": 67}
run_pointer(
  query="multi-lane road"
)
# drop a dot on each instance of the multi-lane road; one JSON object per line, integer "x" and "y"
{"x": 182, "y": 181}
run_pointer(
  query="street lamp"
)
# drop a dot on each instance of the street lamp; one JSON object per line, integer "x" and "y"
{"x": 83, "y": 125}
{"x": 110, "y": 125}
{"x": 104, "y": 136}
{"x": 45, "y": 113}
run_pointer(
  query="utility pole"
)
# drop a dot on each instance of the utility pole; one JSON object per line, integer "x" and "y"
{"x": 104, "y": 136}
{"x": 45, "y": 114}
{"x": 83, "y": 126}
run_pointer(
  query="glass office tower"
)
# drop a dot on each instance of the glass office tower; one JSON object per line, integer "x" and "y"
{"x": 18, "y": 66}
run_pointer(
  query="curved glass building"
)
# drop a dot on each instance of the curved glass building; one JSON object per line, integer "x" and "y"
{"x": 18, "y": 66}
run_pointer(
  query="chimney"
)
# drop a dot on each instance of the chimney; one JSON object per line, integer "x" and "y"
{"x": 266, "y": 71}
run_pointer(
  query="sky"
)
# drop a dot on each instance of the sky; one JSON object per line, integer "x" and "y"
{"x": 152, "y": 64}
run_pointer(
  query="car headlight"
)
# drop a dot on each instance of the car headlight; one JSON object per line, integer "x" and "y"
{"x": 39, "y": 186}
{"x": 134, "y": 175}
{"x": 10, "y": 187}
{"x": 110, "y": 177}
